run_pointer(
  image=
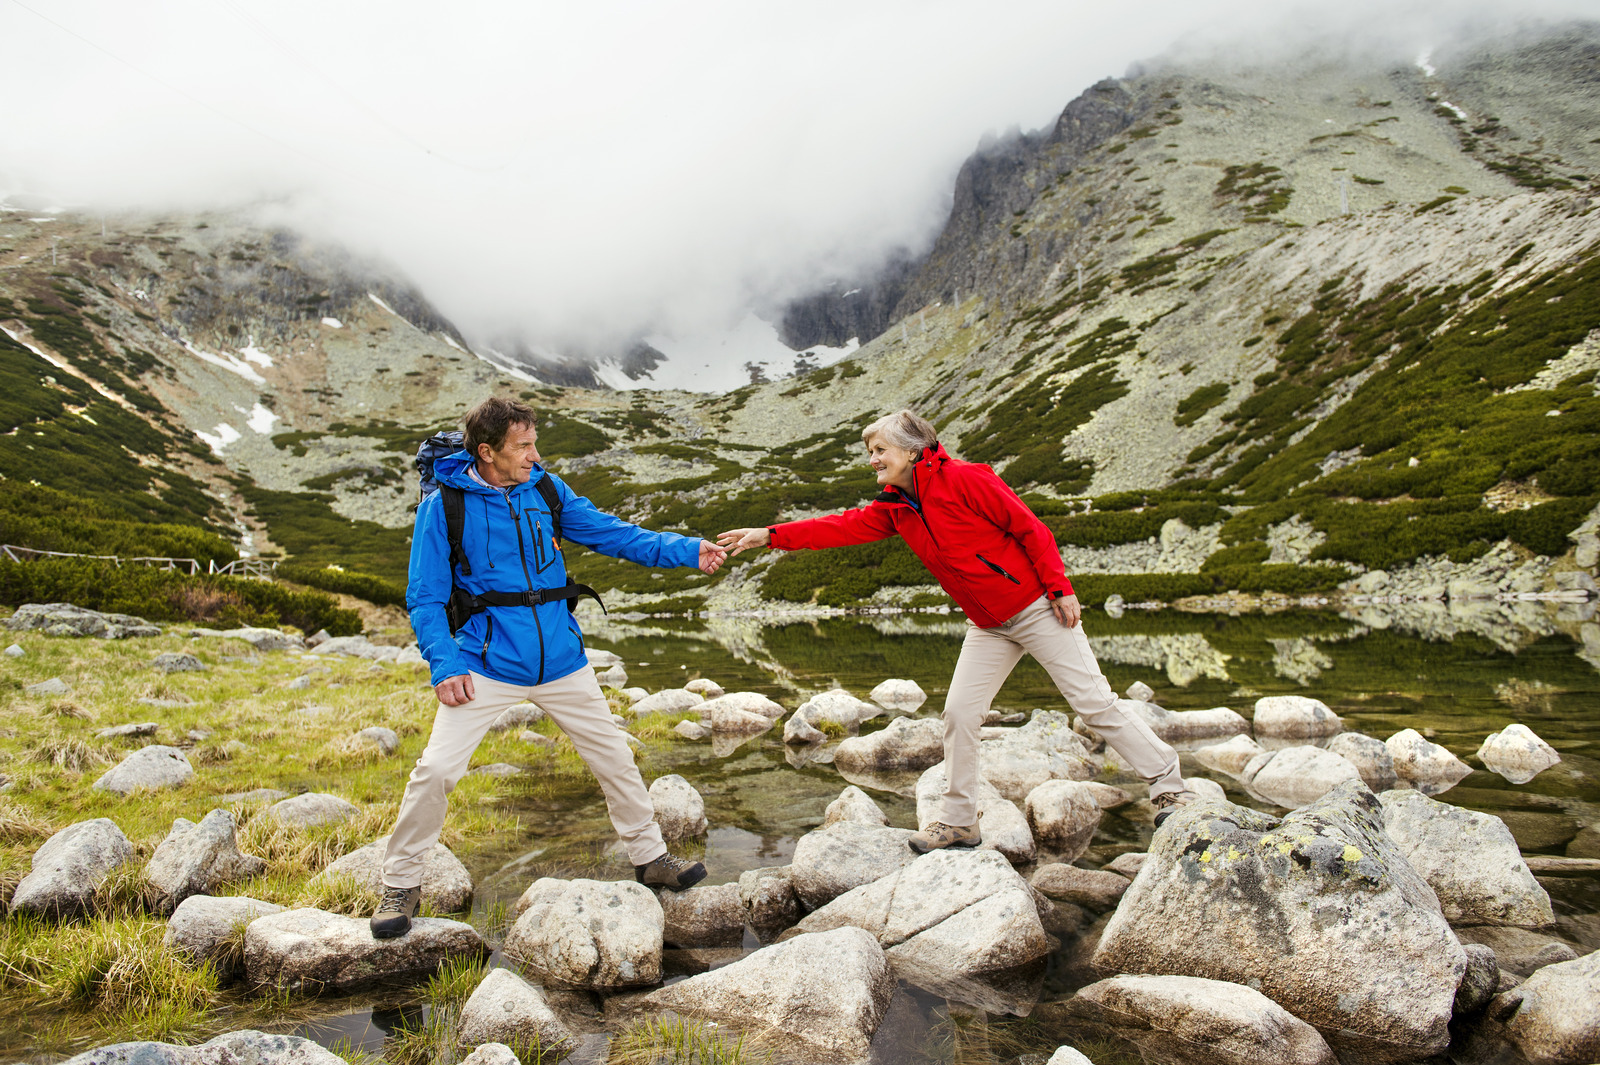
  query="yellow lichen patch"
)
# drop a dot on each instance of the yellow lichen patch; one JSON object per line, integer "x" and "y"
{"x": 1351, "y": 854}
{"x": 1233, "y": 854}
{"x": 1285, "y": 847}
{"x": 1265, "y": 841}
{"x": 1206, "y": 857}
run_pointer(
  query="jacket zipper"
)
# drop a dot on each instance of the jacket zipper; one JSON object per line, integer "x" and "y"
{"x": 522, "y": 550}
{"x": 998, "y": 569}
{"x": 921, "y": 510}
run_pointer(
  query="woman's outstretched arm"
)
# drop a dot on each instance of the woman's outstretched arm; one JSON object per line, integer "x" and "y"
{"x": 858, "y": 526}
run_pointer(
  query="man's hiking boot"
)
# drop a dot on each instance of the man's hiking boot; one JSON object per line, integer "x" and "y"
{"x": 938, "y": 835}
{"x": 399, "y": 906}
{"x": 670, "y": 872}
{"x": 1168, "y": 801}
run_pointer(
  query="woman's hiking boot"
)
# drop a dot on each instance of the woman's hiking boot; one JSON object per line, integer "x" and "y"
{"x": 670, "y": 872}
{"x": 395, "y": 911}
{"x": 938, "y": 835}
{"x": 1168, "y": 801}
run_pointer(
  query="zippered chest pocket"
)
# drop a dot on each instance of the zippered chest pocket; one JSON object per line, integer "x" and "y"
{"x": 545, "y": 554}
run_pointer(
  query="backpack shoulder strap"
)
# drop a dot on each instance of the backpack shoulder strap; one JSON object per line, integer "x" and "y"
{"x": 552, "y": 499}
{"x": 455, "y": 518}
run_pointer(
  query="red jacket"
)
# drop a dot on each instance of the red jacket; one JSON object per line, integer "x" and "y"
{"x": 981, "y": 542}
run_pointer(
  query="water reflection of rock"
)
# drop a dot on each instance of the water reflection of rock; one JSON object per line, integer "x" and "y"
{"x": 1510, "y": 624}
{"x": 1184, "y": 657}
{"x": 1298, "y": 660}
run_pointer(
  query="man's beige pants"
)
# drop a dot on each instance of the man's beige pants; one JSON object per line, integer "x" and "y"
{"x": 578, "y": 708}
{"x": 987, "y": 658}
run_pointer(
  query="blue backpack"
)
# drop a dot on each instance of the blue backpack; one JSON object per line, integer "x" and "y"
{"x": 463, "y": 604}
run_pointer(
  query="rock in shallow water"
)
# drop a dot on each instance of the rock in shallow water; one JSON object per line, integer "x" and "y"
{"x": 1517, "y": 754}
{"x": 1096, "y": 889}
{"x": 679, "y": 809}
{"x": 1319, "y": 908}
{"x": 235, "y": 1048}
{"x": 446, "y": 884}
{"x": 505, "y": 1008}
{"x": 770, "y": 904}
{"x": 202, "y": 927}
{"x": 1230, "y": 757}
{"x": 1424, "y": 765}
{"x": 1001, "y": 822}
{"x": 1295, "y": 776}
{"x": 830, "y": 861}
{"x": 1553, "y": 1016}
{"x": 904, "y": 743}
{"x": 896, "y": 694}
{"x": 69, "y": 867}
{"x": 308, "y": 949}
{"x": 828, "y": 990}
{"x": 588, "y": 934}
{"x": 1063, "y": 815}
{"x": 1369, "y": 755}
{"x": 702, "y": 916}
{"x": 853, "y": 804}
{"x": 1295, "y": 717}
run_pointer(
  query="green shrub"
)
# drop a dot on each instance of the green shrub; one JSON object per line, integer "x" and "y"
{"x": 314, "y": 534}
{"x": 50, "y": 520}
{"x": 376, "y": 590}
{"x": 1193, "y": 407}
{"x": 1098, "y": 529}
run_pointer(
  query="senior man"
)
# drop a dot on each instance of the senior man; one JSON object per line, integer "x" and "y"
{"x": 492, "y": 616}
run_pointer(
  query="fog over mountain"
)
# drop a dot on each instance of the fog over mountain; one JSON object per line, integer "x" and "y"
{"x": 572, "y": 180}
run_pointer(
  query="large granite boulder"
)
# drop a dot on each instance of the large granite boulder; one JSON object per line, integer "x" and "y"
{"x": 311, "y": 809}
{"x": 1294, "y": 717}
{"x": 830, "y": 861}
{"x": 1017, "y": 764}
{"x": 309, "y": 950}
{"x": 839, "y": 707}
{"x": 1063, "y": 815}
{"x": 446, "y": 884}
{"x": 1554, "y": 1015}
{"x": 904, "y": 743}
{"x": 589, "y": 934}
{"x": 1000, "y": 821}
{"x": 853, "y": 804}
{"x": 1369, "y": 755}
{"x": 69, "y": 867}
{"x": 260, "y": 639}
{"x": 1469, "y": 859}
{"x": 1517, "y": 754}
{"x": 1170, "y": 1017}
{"x": 196, "y": 859}
{"x": 64, "y": 619}
{"x": 770, "y": 904}
{"x": 679, "y": 809}
{"x": 905, "y": 696}
{"x": 828, "y": 991}
{"x": 1294, "y": 776}
{"x": 1230, "y": 757}
{"x": 156, "y": 766}
{"x": 202, "y": 928}
{"x": 707, "y": 915}
{"x": 1424, "y": 765}
{"x": 1094, "y": 889}
{"x": 505, "y": 1008}
{"x": 1319, "y": 910}
{"x": 248, "y": 1047}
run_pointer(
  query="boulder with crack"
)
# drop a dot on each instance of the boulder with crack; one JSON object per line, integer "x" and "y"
{"x": 1553, "y": 1016}
{"x": 196, "y": 859}
{"x": 830, "y": 861}
{"x": 828, "y": 991}
{"x": 307, "y": 949}
{"x": 588, "y": 934}
{"x": 770, "y": 904}
{"x": 1319, "y": 909}
{"x": 904, "y": 743}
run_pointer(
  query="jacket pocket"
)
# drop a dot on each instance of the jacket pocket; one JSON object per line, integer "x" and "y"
{"x": 998, "y": 569}
{"x": 544, "y": 552}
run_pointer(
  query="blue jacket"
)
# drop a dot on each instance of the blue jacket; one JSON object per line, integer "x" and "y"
{"x": 511, "y": 549}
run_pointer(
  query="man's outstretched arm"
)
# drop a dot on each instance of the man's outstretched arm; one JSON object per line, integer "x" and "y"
{"x": 584, "y": 523}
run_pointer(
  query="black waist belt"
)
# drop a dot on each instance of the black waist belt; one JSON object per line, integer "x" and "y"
{"x": 464, "y": 604}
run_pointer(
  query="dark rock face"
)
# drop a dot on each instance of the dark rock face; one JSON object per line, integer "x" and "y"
{"x": 862, "y": 308}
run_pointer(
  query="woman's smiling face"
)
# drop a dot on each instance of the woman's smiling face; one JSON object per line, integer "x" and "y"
{"x": 892, "y": 464}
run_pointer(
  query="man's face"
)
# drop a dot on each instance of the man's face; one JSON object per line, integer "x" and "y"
{"x": 512, "y": 463}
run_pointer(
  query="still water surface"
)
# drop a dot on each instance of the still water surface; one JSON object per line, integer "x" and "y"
{"x": 1455, "y": 677}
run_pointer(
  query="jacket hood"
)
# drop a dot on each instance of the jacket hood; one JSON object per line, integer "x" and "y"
{"x": 929, "y": 461}
{"x": 455, "y": 469}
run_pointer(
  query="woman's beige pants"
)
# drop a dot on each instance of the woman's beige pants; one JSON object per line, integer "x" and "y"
{"x": 987, "y": 658}
{"x": 578, "y": 708}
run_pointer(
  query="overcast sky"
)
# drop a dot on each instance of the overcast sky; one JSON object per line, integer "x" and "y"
{"x": 594, "y": 169}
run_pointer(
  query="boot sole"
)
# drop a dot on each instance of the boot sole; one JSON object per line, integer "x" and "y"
{"x": 390, "y": 933}
{"x": 947, "y": 846}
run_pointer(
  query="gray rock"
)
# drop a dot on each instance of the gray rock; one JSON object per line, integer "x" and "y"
{"x": 358, "y": 647}
{"x": 260, "y": 639}
{"x": 1094, "y": 889}
{"x": 384, "y": 739}
{"x": 949, "y": 914}
{"x": 707, "y": 688}
{"x": 53, "y": 686}
{"x": 703, "y": 916}
{"x": 797, "y": 731}
{"x": 1127, "y": 865}
{"x": 1552, "y": 1016}
{"x": 1205, "y": 789}
{"x": 64, "y": 619}
{"x": 1140, "y": 692}
{"x": 679, "y": 809}
{"x": 1295, "y": 717}
{"x": 505, "y": 1008}
{"x": 177, "y": 662}
{"x": 318, "y": 638}
{"x": 235, "y": 1048}
{"x": 1369, "y": 755}
{"x": 1063, "y": 815}
{"x": 254, "y": 795}
{"x": 692, "y": 730}
{"x": 1518, "y": 951}
{"x": 1295, "y": 776}
{"x": 1517, "y": 754}
{"x": 69, "y": 867}
{"x": 770, "y": 904}
{"x": 838, "y": 706}
{"x": 1017, "y": 765}
{"x": 1481, "y": 981}
{"x": 896, "y": 694}
{"x": 520, "y": 715}
{"x": 15, "y": 651}
{"x": 1319, "y": 908}
{"x": 588, "y": 934}
{"x": 828, "y": 990}
{"x": 1001, "y": 822}
{"x": 155, "y": 766}
{"x": 1423, "y": 764}
{"x": 602, "y": 659}
{"x": 495, "y": 769}
{"x": 1469, "y": 859}
{"x": 312, "y": 809}
{"x": 132, "y": 728}
{"x": 446, "y": 884}
{"x": 1230, "y": 757}
{"x": 306, "y": 949}
{"x": 1176, "y": 726}
{"x": 853, "y": 804}
{"x": 1071, "y": 1055}
{"x": 744, "y": 702}
{"x": 612, "y": 677}
{"x": 202, "y": 928}
{"x": 904, "y": 743}
{"x": 1051, "y": 730}
{"x": 299, "y": 684}
{"x": 491, "y": 1054}
{"x": 670, "y": 701}
{"x": 196, "y": 859}
{"x": 1168, "y": 1017}
{"x": 832, "y": 860}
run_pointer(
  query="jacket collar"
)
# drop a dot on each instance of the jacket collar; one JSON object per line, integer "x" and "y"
{"x": 455, "y": 470}
{"x": 928, "y": 464}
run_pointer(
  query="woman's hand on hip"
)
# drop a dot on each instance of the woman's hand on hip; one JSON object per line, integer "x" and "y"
{"x": 737, "y": 540}
{"x": 1067, "y": 610}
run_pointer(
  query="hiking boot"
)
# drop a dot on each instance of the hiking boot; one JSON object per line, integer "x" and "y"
{"x": 1168, "y": 801}
{"x": 393, "y": 918}
{"x": 938, "y": 835}
{"x": 671, "y": 872}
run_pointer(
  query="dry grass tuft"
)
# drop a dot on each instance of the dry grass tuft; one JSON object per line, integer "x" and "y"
{"x": 210, "y": 754}
{"x": 293, "y": 852}
{"x": 69, "y": 709}
{"x": 18, "y": 825}
{"x": 69, "y": 753}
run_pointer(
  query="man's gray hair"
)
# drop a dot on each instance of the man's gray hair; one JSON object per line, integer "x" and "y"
{"x": 902, "y": 429}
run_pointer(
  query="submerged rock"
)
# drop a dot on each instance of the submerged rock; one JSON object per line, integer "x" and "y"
{"x": 679, "y": 809}
{"x": 1295, "y": 776}
{"x": 307, "y": 949}
{"x": 196, "y": 859}
{"x": 1517, "y": 754}
{"x": 202, "y": 928}
{"x": 830, "y": 861}
{"x": 1319, "y": 909}
{"x": 446, "y": 884}
{"x": 1552, "y": 1015}
{"x": 853, "y": 804}
{"x": 69, "y": 867}
{"x": 1001, "y": 822}
{"x": 1369, "y": 755}
{"x": 1294, "y": 716}
{"x": 505, "y": 1008}
{"x": 1469, "y": 859}
{"x": 1423, "y": 764}
{"x": 588, "y": 934}
{"x": 904, "y": 743}
{"x": 155, "y": 766}
{"x": 828, "y": 990}
{"x": 64, "y": 619}
{"x": 1169, "y": 1017}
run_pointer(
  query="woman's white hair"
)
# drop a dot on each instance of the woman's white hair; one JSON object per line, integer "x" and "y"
{"x": 902, "y": 429}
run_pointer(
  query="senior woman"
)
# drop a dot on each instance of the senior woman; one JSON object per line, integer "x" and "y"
{"x": 999, "y": 562}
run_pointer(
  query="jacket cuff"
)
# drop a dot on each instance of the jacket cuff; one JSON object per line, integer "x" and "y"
{"x": 1059, "y": 593}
